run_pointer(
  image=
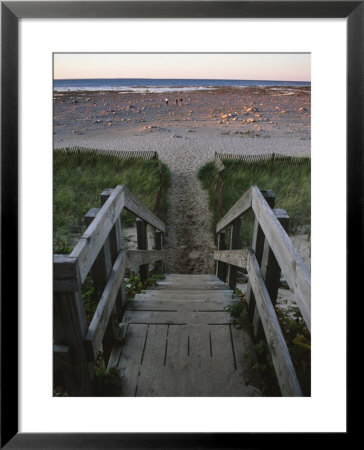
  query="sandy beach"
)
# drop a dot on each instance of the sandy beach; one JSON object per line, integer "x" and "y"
{"x": 252, "y": 120}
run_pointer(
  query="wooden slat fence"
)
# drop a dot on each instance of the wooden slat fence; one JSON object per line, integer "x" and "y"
{"x": 272, "y": 252}
{"x": 99, "y": 253}
{"x": 269, "y": 157}
{"x": 74, "y": 152}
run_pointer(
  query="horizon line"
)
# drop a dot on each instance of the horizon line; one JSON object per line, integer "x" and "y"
{"x": 154, "y": 78}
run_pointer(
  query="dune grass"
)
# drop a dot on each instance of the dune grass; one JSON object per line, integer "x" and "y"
{"x": 79, "y": 179}
{"x": 291, "y": 184}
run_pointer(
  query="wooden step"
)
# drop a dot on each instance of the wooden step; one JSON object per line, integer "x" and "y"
{"x": 180, "y": 341}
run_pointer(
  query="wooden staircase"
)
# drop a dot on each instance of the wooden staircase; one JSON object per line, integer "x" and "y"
{"x": 180, "y": 341}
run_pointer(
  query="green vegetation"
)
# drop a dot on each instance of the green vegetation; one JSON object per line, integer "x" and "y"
{"x": 135, "y": 286}
{"x": 290, "y": 182}
{"x": 107, "y": 383}
{"x": 79, "y": 179}
{"x": 298, "y": 340}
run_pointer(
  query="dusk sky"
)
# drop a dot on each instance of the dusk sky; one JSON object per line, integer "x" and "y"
{"x": 234, "y": 66}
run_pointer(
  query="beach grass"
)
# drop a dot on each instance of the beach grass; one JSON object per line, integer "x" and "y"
{"x": 290, "y": 182}
{"x": 79, "y": 179}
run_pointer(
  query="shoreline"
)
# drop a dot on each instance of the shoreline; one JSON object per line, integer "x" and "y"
{"x": 252, "y": 120}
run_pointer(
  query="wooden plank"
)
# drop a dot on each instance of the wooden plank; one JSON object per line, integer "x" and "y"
{"x": 234, "y": 244}
{"x": 102, "y": 266}
{"x": 184, "y": 295}
{"x": 131, "y": 358}
{"x": 115, "y": 235}
{"x": 257, "y": 246}
{"x": 281, "y": 359}
{"x": 142, "y": 245}
{"x": 197, "y": 286}
{"x": 271, "y": 271}
{"x": 62, "y": 363}
{"x": 237, "y": 258}
{"x": 218, "y": 163}
{"x": 91, "y": 242}
{"x": 115, "y": 243}
{"x": 158, "y": 245}
{"x": 138, "y": 257}
{"x": 178, "y": 305}
{"x": 65, "y": 277}
{"x": 221, "y": 267}
{"x": 69, "y": 326}
{"x": 179, "y": 317}
{"x": 292, "y": 265}
{"x": 134, "y": 205}
{"x": 238, "y": 209}
{"x": 103, "y": 311}
{"x": 189, "y": 282}
{"x": 223, "y": 379}
{"x": 176, "y": 377}
{"x": 152, "y": 366}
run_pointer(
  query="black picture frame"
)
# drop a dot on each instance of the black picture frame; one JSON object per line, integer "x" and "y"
{"x": 11, "y": 12}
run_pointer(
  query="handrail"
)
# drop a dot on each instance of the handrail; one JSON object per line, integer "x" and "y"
{"x": 89, "y": 246}
{"x": 99, "y": 250}
{"x": 285, "y": 259}
{"x": 292, "y": 265}
{"x": 238, "y": 209}
{"x": 135, "y": 206}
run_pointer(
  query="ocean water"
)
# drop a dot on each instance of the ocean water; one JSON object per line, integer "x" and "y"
{"x": 143, "y": 85}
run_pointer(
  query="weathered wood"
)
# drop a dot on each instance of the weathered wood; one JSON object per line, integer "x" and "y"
{"x": 131, "y": 358}
{"x": 115, "y": 235}
{"x": 281, "y": 359}
{"x": 257, "y": 246}
{"x": 174, "y": 359}
{"x": 142, "y": 245}
{"x": 152, "y": 363}
{"x": 138, "y": 257}
{"x": 219, "y": 164}
{"x": 236, "y": 258}
{"x": 91, "y": 242}
{"x": 271, "y": 271}
{"x": 62, "y": 363}
{"x": 103, "y": 311}
{"x": 198, "y": 286}
{"x": 237, "y": 210}
{"x": 135, "y": 206}
{"x": 64, "y": 274}
{"x": 234, "y": 244}
{"x": 158, "y": 245}
{"x": 292, "y": 265}
{"x": 186, "y": 295}
{"x": 69, "y": 323}
{"x": 115, "y": 244}
{"x": 101, "y": 269}
{"x": 177, "y": 317}
{"x": 221, "y": 267}
{"x": 103, "y": 265}
{"x": 165, "y": 304}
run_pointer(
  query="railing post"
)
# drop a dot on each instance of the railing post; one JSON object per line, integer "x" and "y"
{"x": 271, "y": 272}
{"x": 257, "y": 246}
{"x": 142, "y": 245}
{"x": 158, "y": 244}
{"x": 221, "y": 268}
{"x": 234, "y": 245}
{"x": 69, "y": 321}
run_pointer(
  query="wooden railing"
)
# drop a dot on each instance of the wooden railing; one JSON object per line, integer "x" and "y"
{"x": 272, "y": 253}
{"x": 99, "y": 253}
